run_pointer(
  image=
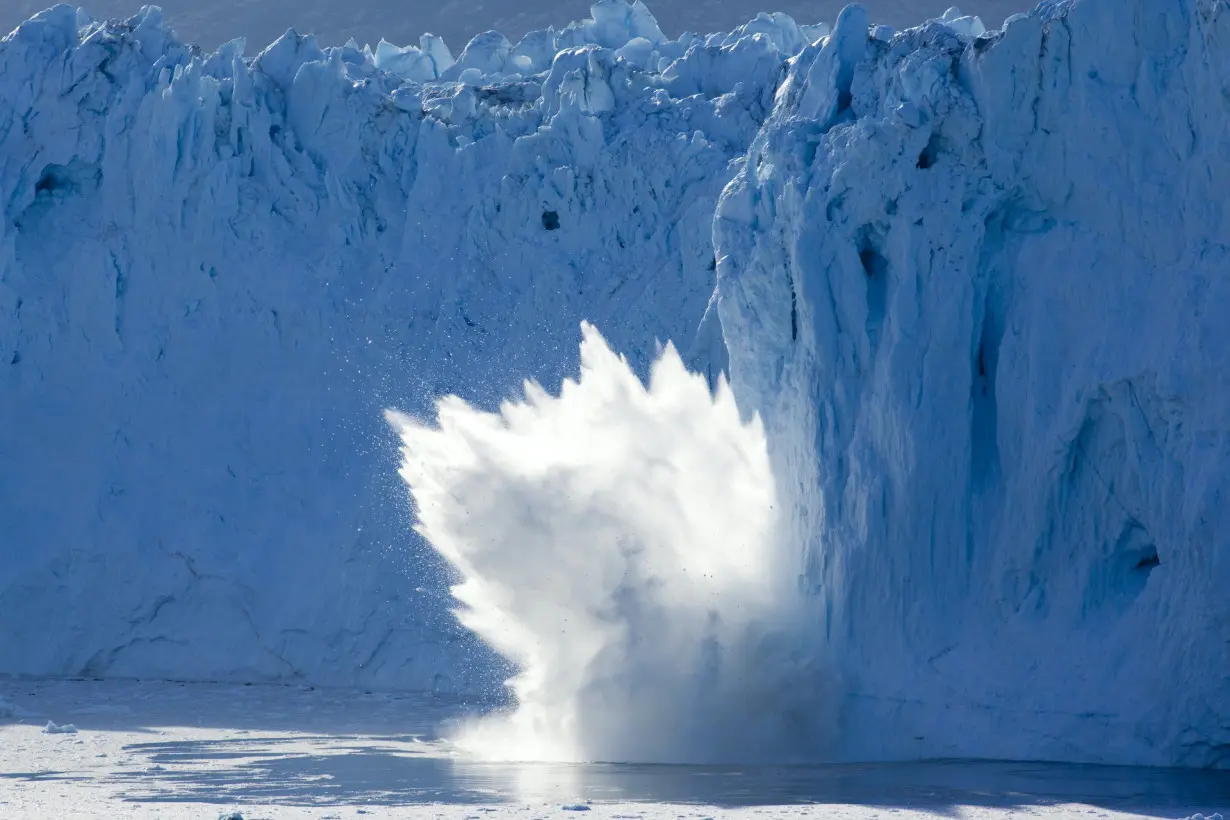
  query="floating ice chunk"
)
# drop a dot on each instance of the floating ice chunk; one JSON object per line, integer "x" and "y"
{"x": 65, "y": 729}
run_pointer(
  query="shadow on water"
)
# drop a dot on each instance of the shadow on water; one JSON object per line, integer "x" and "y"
{"x": 368, "y": 774}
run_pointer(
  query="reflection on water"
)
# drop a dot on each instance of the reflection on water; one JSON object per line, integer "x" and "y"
{"x": 935, "y": 784}
{"x": 323, "y": 770}
{"x": 300, "y": 747}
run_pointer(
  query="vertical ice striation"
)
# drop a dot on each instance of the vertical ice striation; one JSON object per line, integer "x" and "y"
{"x": 217, "y": 270}
{"x": 976, "y": 287}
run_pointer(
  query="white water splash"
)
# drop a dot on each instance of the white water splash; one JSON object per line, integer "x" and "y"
{"x": 620, "y": 545}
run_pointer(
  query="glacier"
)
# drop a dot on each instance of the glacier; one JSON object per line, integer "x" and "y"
{"x": 974, "y": 289}
{"x": 968, "y": 279}
{"x": 215, "y": 273}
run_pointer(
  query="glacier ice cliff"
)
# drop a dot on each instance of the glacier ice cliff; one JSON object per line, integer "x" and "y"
{"x": 216, "y": 272}
{"x": 972, "y": 281}
{"x": 977, "y": 288}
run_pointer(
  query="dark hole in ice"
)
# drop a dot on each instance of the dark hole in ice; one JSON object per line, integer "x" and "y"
{"x": 931, "y": 153}
{"x": 1149, "y": 560}
{"x": 550, "y": 220}
{"x": 794, "y": 314}
{"x": 873, "y": 263}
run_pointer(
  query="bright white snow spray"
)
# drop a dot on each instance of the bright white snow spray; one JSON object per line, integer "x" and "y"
{"x": 619, "y": 543}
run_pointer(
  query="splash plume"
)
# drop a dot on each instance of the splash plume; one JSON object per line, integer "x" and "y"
{"x": 619, "y": 544}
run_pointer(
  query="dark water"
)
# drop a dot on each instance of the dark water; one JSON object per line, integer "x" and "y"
{"x": 916, "y": 785}
{"x": 364, "y": 774}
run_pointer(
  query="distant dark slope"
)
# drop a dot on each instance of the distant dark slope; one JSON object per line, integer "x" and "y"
{"x": 212, "y": 22}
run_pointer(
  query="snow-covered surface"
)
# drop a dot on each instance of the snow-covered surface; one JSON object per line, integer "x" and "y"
{"x": 977, "y": 289}
{"x": 198, "y": 751}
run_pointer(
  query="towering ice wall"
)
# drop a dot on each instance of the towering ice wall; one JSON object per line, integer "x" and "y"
{"x": 973, "y": 282}
{"x": 216, "y": 272}
{"x": 978, "y": 289}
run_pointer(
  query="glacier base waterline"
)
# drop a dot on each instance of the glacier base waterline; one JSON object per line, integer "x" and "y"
{"x": 185, "y": 751}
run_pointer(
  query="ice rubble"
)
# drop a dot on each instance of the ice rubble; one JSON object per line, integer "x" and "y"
{"x": 216, "y": 272}
{"x": 977, "y": 289}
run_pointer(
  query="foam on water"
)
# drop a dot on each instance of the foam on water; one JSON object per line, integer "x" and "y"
{"x": 619, "y": 543}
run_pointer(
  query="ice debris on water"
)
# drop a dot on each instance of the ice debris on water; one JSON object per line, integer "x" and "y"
{"x": 62, "y": 729}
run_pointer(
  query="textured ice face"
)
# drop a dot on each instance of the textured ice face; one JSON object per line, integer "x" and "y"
{"x": 216, "y": 272}
{"x": 975, "y": 289}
